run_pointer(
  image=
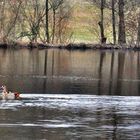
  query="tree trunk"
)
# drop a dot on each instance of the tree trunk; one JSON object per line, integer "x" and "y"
{"x": 121, "y": 35}
{"x": 2, "y": 19}
{"x": 101, "y": 23}
{"x": 54, "y": 22}
{"x": 47, "y": 22}
{"x": 138, "y": 35}
{"x": 113, "y": 22}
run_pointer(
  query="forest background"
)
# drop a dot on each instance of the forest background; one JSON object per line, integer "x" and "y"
{"x": 70, "y": 21}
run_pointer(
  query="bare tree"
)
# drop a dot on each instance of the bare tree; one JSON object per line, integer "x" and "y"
{"x": 138, "y": 34}
{"x": 47, "y": 21}
{"x": 113, "y": 22}
{"x": 121, "y": 35}
{"x": 2, "y": 13}
{"x": 101, "y": 5}
{"x": 32, "y": 19}
{"x": 9, "y": 16}
{"x": 101, "y": 23}
{"x": 63, "y": 34}
{"x": 16, "y": 9}
{"x": 55, "y": 4}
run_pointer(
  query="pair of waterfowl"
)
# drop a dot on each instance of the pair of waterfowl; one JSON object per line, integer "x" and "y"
{"x": 8, "y": 95}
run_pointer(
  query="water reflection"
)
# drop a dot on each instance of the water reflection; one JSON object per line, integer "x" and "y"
{"x": 71, "y": 72}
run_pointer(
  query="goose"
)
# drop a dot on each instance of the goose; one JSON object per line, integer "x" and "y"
{"x": 8, "y": 95}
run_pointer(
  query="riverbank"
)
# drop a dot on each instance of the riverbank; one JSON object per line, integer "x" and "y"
{"x": 71, "y": 46}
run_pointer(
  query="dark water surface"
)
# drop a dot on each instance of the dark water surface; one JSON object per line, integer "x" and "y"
{"x": 71, "y": 95}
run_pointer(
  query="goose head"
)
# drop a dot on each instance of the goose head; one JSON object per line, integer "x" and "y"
{"x": 17, "y": 95}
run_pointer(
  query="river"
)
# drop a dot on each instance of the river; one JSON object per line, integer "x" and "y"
{"x": 70, "y": 95}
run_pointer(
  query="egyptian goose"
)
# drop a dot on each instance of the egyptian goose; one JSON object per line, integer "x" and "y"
{"x": 8, "y": 95}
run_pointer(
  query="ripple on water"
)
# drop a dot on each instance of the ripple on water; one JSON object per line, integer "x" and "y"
{"x": 86, "y": 116}
{"x": 88, "y": 102}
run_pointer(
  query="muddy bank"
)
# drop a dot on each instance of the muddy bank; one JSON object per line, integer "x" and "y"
{"x": 71, "y": 46}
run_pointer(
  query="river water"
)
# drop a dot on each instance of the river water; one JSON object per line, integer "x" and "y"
{"x": 70, "y": 95}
